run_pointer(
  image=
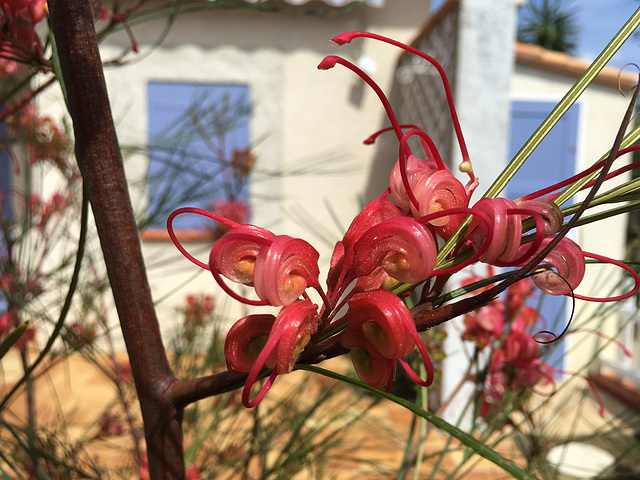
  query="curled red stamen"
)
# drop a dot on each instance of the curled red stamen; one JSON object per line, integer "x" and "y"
{"x": 346, "y": 37}
{"x": 197, "y": 211}
{"x": 578, "y": 176}
{"x": 624, "y": 266}
{"x": 370, "y": 140}
{"x": 331, "y": 60}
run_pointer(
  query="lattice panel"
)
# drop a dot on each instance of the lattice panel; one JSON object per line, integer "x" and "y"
{"x": 422, "y": 97}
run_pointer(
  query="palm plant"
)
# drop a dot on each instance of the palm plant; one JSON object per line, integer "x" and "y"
{"x": 548, "y": 24}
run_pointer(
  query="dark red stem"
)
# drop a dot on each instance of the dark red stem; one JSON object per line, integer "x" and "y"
{"x": 102, "y": 169}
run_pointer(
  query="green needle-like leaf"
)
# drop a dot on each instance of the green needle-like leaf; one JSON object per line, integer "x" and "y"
{"x": 12, "y": 338}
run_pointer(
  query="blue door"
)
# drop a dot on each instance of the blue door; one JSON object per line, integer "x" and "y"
{"x": 552, "y": 161}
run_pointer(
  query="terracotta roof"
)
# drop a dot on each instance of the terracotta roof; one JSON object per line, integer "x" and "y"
{"x": 536, "y": 56}
{"x": 184, "y": 236}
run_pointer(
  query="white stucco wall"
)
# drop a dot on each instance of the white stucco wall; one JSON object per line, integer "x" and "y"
{"x": 484, "y": 67}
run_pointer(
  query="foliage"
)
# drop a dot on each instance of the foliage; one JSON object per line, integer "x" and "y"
{"x": 549, "y": 24}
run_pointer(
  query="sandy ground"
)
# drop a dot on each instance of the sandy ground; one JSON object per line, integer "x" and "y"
{"x": 72, "y": 396}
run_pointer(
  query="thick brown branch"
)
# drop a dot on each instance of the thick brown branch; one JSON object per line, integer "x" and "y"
{"x": 102, "y": 169}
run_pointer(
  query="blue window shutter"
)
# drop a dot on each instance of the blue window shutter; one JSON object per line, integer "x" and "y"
{"x": 193, "y": 131}
{"x": 5, "y": 177}
{"x": 552, "y": 161}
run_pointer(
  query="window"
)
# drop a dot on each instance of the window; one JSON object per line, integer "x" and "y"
{"x": 199, "y": 151}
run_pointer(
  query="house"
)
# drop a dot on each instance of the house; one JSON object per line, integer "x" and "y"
{"x": 304, "y": 126}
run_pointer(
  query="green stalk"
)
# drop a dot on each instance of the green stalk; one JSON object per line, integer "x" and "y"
{"x": 12, "y": 338}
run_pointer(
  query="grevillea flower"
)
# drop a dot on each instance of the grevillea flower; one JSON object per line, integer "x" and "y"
{"x": 18, "y": 38}
{"x": 414, "y": 169}
{"x": 245, "y": 341}
{"x": 568, "y": 260}
{"x": 285, "y": 269}
{"x": 372, "y": 368}
{"x": 390, "y": 249}
{"x": 438, "y": 191}
{"x": 342, "y": 259}
{"x": 507, "y": 230}
{"x": 234, "y": 255}
{"x": 385, "y": 322}
{"x": 484, "y": 325}
{"x": 290, "y": 333}
{"x": 403, "y": 247}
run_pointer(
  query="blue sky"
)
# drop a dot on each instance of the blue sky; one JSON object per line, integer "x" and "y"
{"x": 599, "y": 20}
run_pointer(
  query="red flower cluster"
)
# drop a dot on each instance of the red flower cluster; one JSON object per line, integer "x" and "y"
{"x": 18, "y": 19}
{"x": 515, "y": 361}
{"x": 393, "y": 240}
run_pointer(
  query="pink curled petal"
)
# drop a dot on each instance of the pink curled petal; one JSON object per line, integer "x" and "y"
{"x": 568, "y": 260}
{"x": 513, "y": 233}
{"x": 372, "y": 281}
{"x": 438, "y": 191}
{"x": 285, "y": 270}
{"x": 336, "y": 264}
{"x": 496, "y": 210}
{"x": 372, "y": 368}
{"x": 265, "y": 354}
{"x": 550, "y": 212}
{"x": 525, "y": 251}
{"x": 234, "y": 254}
{"x": 297, "y": 323}
{"x": 245, "y": 341}
{"x": 382, "y": 317}
{"x": 404, "y": 248}
{"x": 375, "y": 212}
{"x": 414, "y": 168}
